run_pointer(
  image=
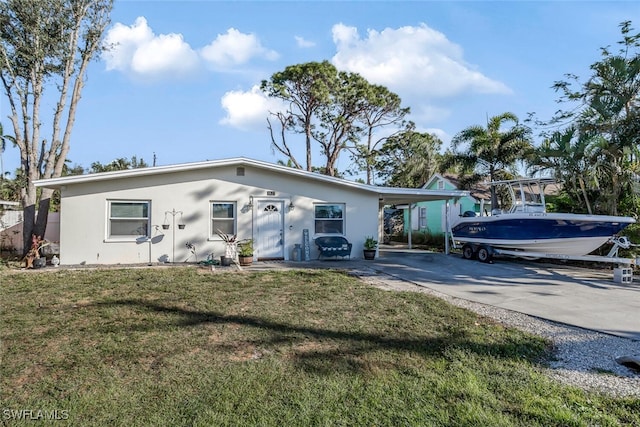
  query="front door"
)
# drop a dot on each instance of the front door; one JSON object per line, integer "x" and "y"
{"x": 270, "y": 237}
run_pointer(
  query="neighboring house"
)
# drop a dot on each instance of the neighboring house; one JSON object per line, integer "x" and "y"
{"x": 430, "y": 216}
{"x": 11, "y": 221}
{"x": 150, "y": 214}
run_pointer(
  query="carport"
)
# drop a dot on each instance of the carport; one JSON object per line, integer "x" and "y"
{"x": 389, "y": 196}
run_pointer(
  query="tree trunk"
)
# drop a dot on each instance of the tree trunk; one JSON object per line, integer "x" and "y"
{"x": 28, "y": 226}
{"x": 584, "y": 194}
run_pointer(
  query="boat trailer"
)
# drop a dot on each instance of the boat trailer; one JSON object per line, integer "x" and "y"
{"x": 623, "y": 273}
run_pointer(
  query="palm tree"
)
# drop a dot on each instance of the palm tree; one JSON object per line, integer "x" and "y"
{"x": 491, "y": 152}
{"x": 609, "y": 109}
{"x": 567, "y": 154}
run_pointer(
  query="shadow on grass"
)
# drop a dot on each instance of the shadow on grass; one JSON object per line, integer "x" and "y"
{"x": 327, "y": 351}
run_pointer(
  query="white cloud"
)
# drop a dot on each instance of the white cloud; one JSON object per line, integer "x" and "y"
{"x": 137, "y": 50}
{"x": 248, "y": 110}
{"x": 235, "y": 48}
{"x": 413, "y": 60}
{"x": 303, "y": 43}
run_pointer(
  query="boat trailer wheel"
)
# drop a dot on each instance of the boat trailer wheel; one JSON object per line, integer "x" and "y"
{"x": 485, "y": 254}
{"x": 468, "y": 252}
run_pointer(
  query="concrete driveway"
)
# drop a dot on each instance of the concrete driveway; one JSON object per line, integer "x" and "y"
{"x": 576, "y": 296}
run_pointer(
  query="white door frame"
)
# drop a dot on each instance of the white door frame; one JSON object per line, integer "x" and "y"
{"x": 269, "y": 245}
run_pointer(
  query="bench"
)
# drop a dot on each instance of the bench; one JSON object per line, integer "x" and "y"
{"x": 330, "y": 246}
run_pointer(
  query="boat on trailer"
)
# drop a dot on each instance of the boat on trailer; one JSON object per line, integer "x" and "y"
{"x": 524, "y": 228}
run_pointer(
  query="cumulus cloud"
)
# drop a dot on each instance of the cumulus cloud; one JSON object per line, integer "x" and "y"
{"x": 303, "y": 43}
{"x": 138, "y": 51}
{"x": 235, "y": 48}
{"x": 248, "y": 110}
{"x": 418, "y": 60}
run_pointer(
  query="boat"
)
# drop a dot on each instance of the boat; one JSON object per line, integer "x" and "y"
{"x": 526, "y": 226}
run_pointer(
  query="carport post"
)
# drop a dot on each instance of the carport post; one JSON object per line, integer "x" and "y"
{"x": 410, "y": 228}
{"x": 446, "y": 226}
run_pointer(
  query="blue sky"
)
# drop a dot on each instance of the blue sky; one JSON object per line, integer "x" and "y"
{"x": 181, "y": 79}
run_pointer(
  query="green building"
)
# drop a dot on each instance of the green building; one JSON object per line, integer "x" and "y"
{"x": 430, "y": 217}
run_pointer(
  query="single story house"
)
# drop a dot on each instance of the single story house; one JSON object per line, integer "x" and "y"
{"x": 430, "y": 216}
{"x": 176, "y": 213}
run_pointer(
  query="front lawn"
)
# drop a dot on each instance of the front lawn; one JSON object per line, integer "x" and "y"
{"x": 184, "y": 346}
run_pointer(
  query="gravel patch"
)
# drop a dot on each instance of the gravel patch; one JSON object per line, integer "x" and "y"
{"x": 581, "y": 358}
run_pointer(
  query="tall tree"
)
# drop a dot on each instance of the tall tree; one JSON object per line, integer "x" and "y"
{"x": 408, "y": 159}
{"x": 332, "y": 109}
{"x": 382, "y": 108}
{"x": 45, "y": 49}
{"x": 304, "y": 88}
{"x": 607, "y": 106}
{"x": 566, "y": 155}
{"x": 486, "y": 153}
{"x": 339, "y": 125}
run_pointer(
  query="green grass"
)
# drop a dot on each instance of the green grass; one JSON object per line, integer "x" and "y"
{"x": 183, "y": 346}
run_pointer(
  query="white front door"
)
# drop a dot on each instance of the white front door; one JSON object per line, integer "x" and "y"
{"x": 270, "y": 236}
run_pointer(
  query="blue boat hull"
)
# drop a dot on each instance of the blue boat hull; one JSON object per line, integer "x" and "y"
{"x": 569, "y": 234}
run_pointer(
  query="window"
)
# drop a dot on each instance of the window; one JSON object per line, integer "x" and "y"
{"x": 440, "y": 184}
{"x": 223, "y": 218}
{"x": 422, "y": 218}
{"x": 329, "y": 219}
{"x": 128, "y": 219}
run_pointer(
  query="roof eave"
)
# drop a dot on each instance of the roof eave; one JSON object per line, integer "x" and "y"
{"x": 411, "y": 194}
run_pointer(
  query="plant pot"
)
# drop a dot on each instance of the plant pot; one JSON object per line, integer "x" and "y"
{"x": 165, "y": 226}
{"x": 369, "y": 253}
{"x": 245, "y": 260}
{"x": 181, "y": 226}
{"x": 225, "y": 261}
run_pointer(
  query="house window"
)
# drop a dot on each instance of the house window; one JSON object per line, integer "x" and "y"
{"x": 223, "y": 218}
{"x": 422, "y": 217}
{"x": 440, "y": 185}
{"x": 329, "y": 218}
{"x": 128, "y": 219}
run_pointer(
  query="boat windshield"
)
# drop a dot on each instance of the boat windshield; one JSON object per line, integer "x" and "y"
{"x": 522, "y": 195}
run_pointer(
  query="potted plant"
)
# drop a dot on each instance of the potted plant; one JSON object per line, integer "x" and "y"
{"x": 370, "y": 246}
{"x": 245, "y": 252}
{"x": 231, "y": 247}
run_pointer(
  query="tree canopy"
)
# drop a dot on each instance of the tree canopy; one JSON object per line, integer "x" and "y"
{"x": 45, "y": 49}
{"x": 602, "y": 128}
{"x": 334, "y": 110}
{"x": 491, "y": 152}
{"x": 408, "y": 159}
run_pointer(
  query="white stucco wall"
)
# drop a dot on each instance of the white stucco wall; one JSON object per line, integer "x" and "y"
{"x": 83, "y": 223}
